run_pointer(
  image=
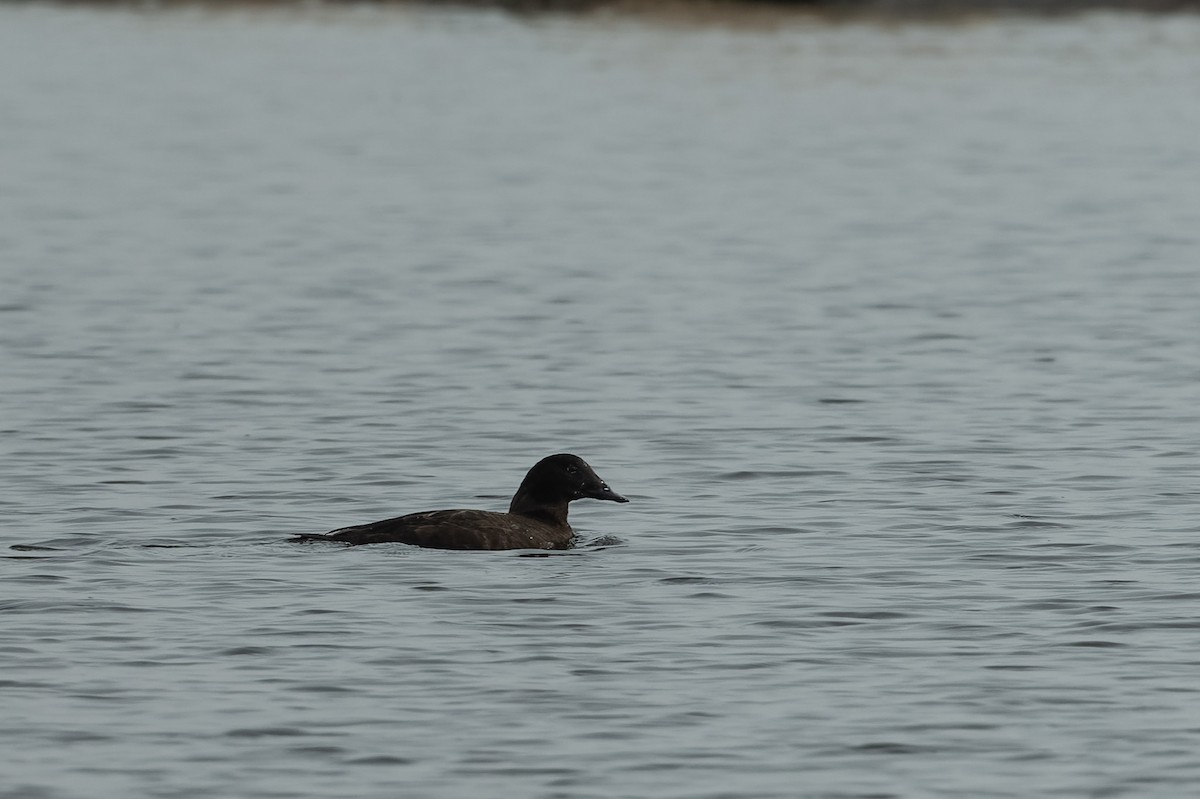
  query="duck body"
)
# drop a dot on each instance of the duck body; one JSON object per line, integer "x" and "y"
{"x": 459, "y": 529}
{"x": 536, "y": 517}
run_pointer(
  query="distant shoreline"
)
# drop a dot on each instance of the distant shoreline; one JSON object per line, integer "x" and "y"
{"x": 718, "y": 9}
{"x": 898, "y": 7}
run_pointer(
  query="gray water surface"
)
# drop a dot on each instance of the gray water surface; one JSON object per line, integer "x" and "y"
{"x": 889, "y": 332}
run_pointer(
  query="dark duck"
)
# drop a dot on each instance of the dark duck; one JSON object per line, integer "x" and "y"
{"x": 536, "y": 518}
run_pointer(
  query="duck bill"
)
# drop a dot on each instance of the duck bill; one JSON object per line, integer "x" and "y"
{"x": 602, "y": 491}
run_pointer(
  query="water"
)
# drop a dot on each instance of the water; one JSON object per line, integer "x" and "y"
{"x": 887, "y": 331}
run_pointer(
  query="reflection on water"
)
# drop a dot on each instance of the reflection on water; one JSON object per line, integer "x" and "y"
{"x": 885, "y": 331}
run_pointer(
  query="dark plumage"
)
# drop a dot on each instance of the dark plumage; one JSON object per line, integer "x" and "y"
{"x": 536, "y": 518}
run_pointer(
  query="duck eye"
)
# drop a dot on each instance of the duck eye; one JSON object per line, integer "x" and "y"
{"x": 572, "y": 469}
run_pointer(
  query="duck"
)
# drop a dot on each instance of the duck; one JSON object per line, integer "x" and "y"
{"x": 536, "y": 517}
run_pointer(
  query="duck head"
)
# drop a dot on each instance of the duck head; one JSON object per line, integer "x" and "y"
{"x": 559, "y": 479}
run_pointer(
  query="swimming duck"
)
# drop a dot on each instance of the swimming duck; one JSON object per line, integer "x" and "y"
{"x": 536, "y": 518}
